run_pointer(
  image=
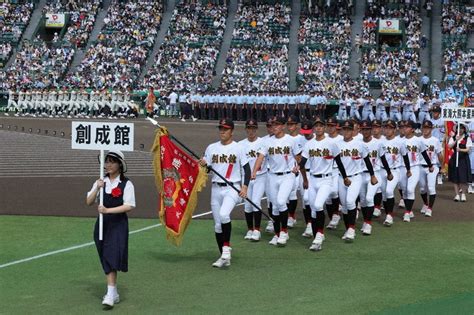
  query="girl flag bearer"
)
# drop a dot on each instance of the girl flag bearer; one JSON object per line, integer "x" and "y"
{"x": 119, "y": 198}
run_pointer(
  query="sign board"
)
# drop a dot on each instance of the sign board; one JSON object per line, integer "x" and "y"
{"x": 391, "y": 26}
{"x": 55, "y": 20}
{"x": 102, "y": 136}
{"x": 457, "y": 113}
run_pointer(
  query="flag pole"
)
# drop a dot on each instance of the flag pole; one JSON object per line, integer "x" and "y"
{"x": 154, "y": 122}
{"x": 101, "y": 197}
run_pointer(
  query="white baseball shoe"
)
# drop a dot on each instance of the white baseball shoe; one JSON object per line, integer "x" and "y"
{"x": 249, "y": 234}
{"x": 401, "y": 204}
{"x": 183, "y": 120}
{"x": 377, "y": 212}
{"x": 308, "y": 232}
{"x": 269, "y": 228}
{"x": 256, "y": 235}
{"x": 226, "y": 252}
{"x": 439, "y": 179}
{"x": 334, "y": 222}
{"x": 428, "y": 212}
{"x": 363, "y": 227}
{"x": 423, "y": 209}
{"x": 221, "y": 263}
{"x": 283, "y": 238}
{"x": 463, "y": 197}
{"x": 109, "y": 300}
{"x": 470, "y": 189}
{"x": 6, "y": 114}
{"x": 273, "y": 241}
{"x": 388, "y": 220}
{"x": 349, "y": 236}
{"x": 317, "y": 242}
{"x": 457, "y": 198}
{"x": 368, "y": 229}
{"x": 291, "y": 222}
{"x": 412, "y": 215}
{"x": 406, "y": 217}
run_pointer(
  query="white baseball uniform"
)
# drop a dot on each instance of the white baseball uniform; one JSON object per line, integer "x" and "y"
{"x": 427, "y": 178}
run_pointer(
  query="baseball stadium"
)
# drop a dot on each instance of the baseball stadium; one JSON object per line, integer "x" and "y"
{"x": 234, "y": 156}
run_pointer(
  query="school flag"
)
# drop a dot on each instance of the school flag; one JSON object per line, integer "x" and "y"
{"x": 449, "y": 126}
{"x": 179, "y": 178}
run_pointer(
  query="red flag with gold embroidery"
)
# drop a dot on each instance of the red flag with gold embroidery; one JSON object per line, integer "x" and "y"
{"x": 449, "y": 126}
{"x": 178, "y": 178}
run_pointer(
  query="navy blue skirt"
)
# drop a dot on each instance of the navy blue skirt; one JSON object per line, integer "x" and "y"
{"x": 113, "y": 249}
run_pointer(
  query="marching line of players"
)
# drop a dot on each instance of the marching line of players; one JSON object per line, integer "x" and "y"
{"x": 72, "y": 103}
{"x": 335, "y": 175}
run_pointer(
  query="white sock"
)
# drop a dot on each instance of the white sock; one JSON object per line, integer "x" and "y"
{"x": 111, "y": 290}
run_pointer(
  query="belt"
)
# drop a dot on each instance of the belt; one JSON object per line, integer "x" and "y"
{"x": 394, "y": 168}
{"x": 224, "y": 184}
{"x": 428, "y": 166}
{"x": 281, "y": 173}
{"x": 353, "y": 175}
{"x": 321, "y": 175}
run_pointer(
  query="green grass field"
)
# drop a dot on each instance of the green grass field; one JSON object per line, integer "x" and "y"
{"x": 415, "y": 268}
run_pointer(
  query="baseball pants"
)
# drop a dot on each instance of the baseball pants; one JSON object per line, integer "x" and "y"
{"x": 255, "y": 193}
{"x": 348, "y": 195}
{"x": 367, "y": 190}
{"x": 428, "y": 180}
{"x": 319, "y": 191}
{"x": 223, "y": 201}
{"x": 280, "y": 187}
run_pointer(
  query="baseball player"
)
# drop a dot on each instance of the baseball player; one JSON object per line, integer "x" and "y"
{"x": 269, "y": 125}
{"x": 342, "y": 111}
{"x": 292, "y": 127}
{"x": 332, "y": 203}
{"x": 402, "y": 184}
{"x": 380, "y": 108}
{"x": 12, "y": 104}
{"x": 355, "y": 104}
{"x": 317, "y": 159}
{"x": 425, "y": 107}
{"x": 416, "y": 149}
{"x": 256, "y": 187}
{"x": 395, "y": 105}
{"x": 367, "y": 111}
{"x": 378, "y": 136}
{"x": 282, "y": 151}
{"x": 427, "y": 178}
{"x": 227, "y": 158}
{"x": 352, "y": 153}
{"x": 438, "y": 132}
{"x": 368, "y": 190}
{"x": 408, "y": 109}
{"x": 395, "y": 151}
{"x": 22, "y": 102}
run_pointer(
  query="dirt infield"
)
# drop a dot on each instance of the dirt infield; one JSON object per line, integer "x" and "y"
{"x": 66, "y": 196}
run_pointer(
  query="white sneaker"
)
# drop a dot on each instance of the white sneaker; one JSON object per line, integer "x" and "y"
{"x": 463, "y": 197}
{"x": 291, "y": 222}
{"x": 308, "y": 232}
{"x": 269, "y": 228}
{"x": 17, "y": 115}
{"x": 406, "y": 217}
{"x": 248, "y": 235}
{"x": 412, "y": 214}
{"x": 349, "y": 236}
{"x": 377, "y": 212}
{"x": 401, "y": 204}
{"x": 226, "y": 252}
{"x": 317, "y": 242}
{"x": 367, "y": 229}
{"x": 456, "y": 198}
{"x": 221, "y": 263}
{"x": 110, "y": 300}
{"x": 6, "y": 114}
{"x": 183, "y": 120}
{"x": 195, "y": 119}
{"x": 273, "y": 241}
{"x": 388, "y": 220}
{"x": 470, "y": 189}
{"x": 440, "y": 180}
{"x": 334, "y": 222}
{"x": 423, "y": 209}
{"x": 428, "y": 212}
{"x": 256, "y": 236}
{"x": 283, "y": 238}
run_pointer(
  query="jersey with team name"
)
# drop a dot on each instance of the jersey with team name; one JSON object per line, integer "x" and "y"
{"x": 433, "y": 148}
{"x": 415, "y": 147}
{"x": 281, "y": 153}
{"x": 352, "y": 155}
{"x": 251, "y": 149}
{"x": 227, "y": 160}
{"x": 320, "y": 155}
{"x": 376, "y": 150}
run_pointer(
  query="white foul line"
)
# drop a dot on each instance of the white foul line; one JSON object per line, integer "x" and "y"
{"x": 92, "y": 243}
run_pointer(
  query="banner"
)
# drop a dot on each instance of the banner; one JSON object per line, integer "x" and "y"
{"x": 391, "y": 26}
{"x": 102, "y": 136}
{"x": 449, "y": 126}
{"x": 178, "y": 178}
{"x": 55, "y": 20}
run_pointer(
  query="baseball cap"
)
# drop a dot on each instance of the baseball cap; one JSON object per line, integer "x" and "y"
{"x": 280, "y": 120}
{"x": 269, "y": 122}
{"x": 331, "y": 121}
{"x": 226, "y": 123}
{"x": 366, "y": 124}
{"x": 411, "y": 124}
{"x": 292, "y": 120}
{"x": 390, "y": 124}
{"x": 306, "y": 127}
{"x": 436, "y": 109}
{"x": 427, "y": 124}
{"x": 318, "y": 120}
{"x": 251, "y": 123}
{"x": 348, "y": 124}
{"x": 376, "y": 123}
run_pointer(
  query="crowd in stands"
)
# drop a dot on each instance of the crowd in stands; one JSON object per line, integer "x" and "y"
{"x": 258, "y": 58}
{"x": 122, "y": 46}
{"x": 324, "y": 54}
{"x": 14, "y": 17}
{"x": 82, "y": 15}
{"x": 396, "y": 69}
{"x": 5, "y": 50}
{"x": 187, "y": 57}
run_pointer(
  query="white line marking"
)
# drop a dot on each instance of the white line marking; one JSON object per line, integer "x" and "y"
{"x": 92, "y": 243}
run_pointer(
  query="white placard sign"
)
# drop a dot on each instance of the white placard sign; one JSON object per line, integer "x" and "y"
{"x": 391, "y": 26}
{"x": 457, "y": 113}
{"x": 102, "y": 136}
{"x": 55, "y": 20}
